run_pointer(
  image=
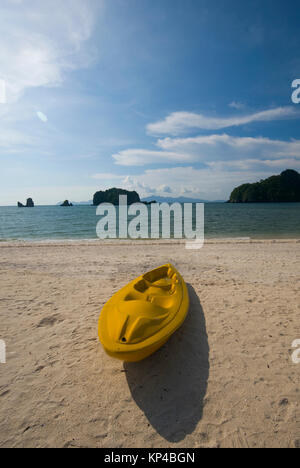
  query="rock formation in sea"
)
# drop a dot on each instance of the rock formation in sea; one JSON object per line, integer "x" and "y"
{"x": 29, "y": 204}
{"x": 66, "y": 203}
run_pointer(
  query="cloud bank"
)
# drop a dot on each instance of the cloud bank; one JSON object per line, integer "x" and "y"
{"x": 41, "y": 40}
{"x": 211, "y": 183}
{"x": 208, "y": 166}
{"x": 179, "y": 123}
{"x": 206, "y": 149}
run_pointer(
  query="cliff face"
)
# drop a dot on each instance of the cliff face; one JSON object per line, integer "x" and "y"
{"x": 29, "y": 203}
{"x": 282, "y": 188}
{"x": 112, "y": 196}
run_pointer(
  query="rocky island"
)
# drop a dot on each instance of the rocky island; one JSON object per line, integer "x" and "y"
{"x": 276, "y": 189}
{"x": 66, "y": 203}
{"x": 29, "y": 204}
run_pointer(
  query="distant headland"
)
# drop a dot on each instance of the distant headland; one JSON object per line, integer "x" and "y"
{"x": 276, "y": 189}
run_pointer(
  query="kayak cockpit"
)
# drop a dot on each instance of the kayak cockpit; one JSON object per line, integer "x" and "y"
{"x": 139, "y": 314}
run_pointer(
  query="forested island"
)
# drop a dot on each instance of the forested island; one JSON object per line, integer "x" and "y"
{"x": 112, "y": 196}
{"x": 276, "y": 189}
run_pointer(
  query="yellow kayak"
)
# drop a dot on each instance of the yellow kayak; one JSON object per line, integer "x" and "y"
{"x": 143, "y": 315}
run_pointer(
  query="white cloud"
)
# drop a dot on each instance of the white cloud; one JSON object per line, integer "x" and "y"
{"x": 13, "y": 141}
{"x": 180, "y": 122}
{"x": 211, "y": 183}
{"x": 237, "y": 105}
{"x": 40, "y": 41}
{"x": 2, "y": 92}
{"x": 206, "y": 149}
{"x": 107, "y": 176}
{"x": 140, "y": 157}
{"x": 248, "y": 164}
{"x": 165, "y": 189}
{"x": 222, "y": 146}
{"x": 225, "y": 161}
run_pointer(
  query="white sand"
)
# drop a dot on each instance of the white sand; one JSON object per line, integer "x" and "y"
{"x": 225, "y": 379}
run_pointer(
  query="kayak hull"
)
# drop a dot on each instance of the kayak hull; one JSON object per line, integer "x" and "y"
{"x": 142, "y": 316}
{"x": 136, "y": 356}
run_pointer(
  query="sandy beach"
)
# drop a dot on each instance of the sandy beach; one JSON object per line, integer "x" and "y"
{"x": 225, "y": 379}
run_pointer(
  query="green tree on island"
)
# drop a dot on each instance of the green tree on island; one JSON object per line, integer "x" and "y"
{"x": 282, "y": 188}
{"x": 112, "y": 196}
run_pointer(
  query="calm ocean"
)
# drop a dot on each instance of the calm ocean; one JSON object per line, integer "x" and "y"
{"x": 257, "y": 221}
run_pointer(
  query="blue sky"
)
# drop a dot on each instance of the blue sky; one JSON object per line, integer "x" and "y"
{"x": 167, "y": 97}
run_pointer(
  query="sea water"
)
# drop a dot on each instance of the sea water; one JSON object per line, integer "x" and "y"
{"x": 256, "y": 221}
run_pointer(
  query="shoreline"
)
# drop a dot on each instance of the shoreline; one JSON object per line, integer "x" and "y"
{"x": 140, "y": 242}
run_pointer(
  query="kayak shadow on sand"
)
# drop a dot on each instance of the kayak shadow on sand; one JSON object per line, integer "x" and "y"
{"x": 170, "y": 385}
